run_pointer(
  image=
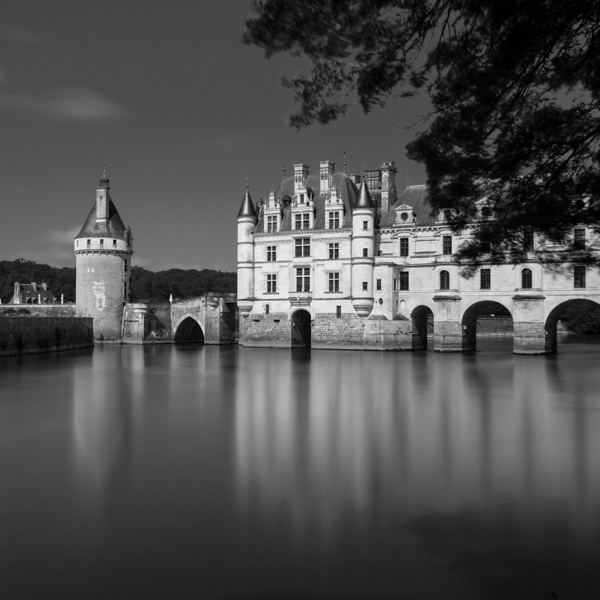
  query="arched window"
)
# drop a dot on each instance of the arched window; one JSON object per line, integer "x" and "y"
{"x": 444, "y": 280}
{"x": 526, "y": 279}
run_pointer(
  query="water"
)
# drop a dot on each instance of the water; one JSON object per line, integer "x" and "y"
{"x": 219, "y": 472}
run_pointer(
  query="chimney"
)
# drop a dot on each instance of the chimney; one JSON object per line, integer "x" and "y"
{"x": 327, "y": 168}
{"x": 300, "y": 177}
{"x": 34, "y": 286}
{"x": 17, "y": 293}
{"x": 102, "y": 198}
{"x": 388, "y": 186}
{"x": 45, "y": 287}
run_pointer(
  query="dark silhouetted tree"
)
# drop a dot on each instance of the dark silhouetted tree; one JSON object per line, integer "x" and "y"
{"x": 515, "y": 93}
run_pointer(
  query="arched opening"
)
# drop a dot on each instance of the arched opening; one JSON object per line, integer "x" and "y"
{"x": 189, "y": 331}
{"x": 526, "y": 279}
{"x": 301, "y": 329}
{"x": 486, "y": 319}
{"x": 577, "y": 316}
{"x": 422, "y": 327}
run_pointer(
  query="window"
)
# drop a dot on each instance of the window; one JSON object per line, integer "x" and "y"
{"x": 334, "y": 282}
{"x": 102, "y": 242}
{"x": 114, "y": 242}
{"x": 526, "y": 279}
{"x": 528, "y": 240}
{"x": 271, "y": 283}
{"x": 485, "y": 279}
{"x": 395, "y": 284}
{"x": 579, "y": 276}
{"x": 334, "y": 251}
{"x": 301, "y": 198}
{"x": 485, "y": 212}
{"x": 365, "y": 286}
{"x": 334, "y": 220}
{"x": 267, "y": 309}
{"x": 365, "y": 225}
{"x": 365, "y": 252}
{"x": 125, "y": 266}
{"x": 89, "y": 242}
{"x": 302, "y": 221}
{"x": 484, "y": 242}
{"x": 444, "y": 280}
{"x": 378, "y": 285}
{"x": 302, "y": 246}
{"x": 303, "y": 279}
{"x": 404, "y": 281}
{"x": 271, "y": 253}
{"x": 271, "y": 223}
{"x": 447, "y": 244}
{"x": 579, "y": 239}
{"x": 404, "y": 246}
{"x": 338, "y": 312}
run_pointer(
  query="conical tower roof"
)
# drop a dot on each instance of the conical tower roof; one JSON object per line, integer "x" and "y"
{"x": 364, "y": 199}
{"x": 247, "y": 208}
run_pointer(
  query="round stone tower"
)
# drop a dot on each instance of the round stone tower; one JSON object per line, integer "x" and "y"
{"x": 103, "y": 250}
{"x": 363, "y": 237}
{"x": 245, "y": 255}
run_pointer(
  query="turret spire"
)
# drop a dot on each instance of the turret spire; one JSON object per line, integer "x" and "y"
{"x": 364, "y": 199}
{"x": 247, "y": 208}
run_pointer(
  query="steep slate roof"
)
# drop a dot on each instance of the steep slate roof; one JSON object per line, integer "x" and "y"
{"x": 415, "y": 196}
{"x": 247, "y": 207}
{"x": 364, "y": 198}
{"x": 114, "y": 228}
{"x": 341, "y": 181}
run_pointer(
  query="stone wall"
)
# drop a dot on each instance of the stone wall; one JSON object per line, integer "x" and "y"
{"x": 29, "y": 335}
{"x": 274, "y": 331}
{"x": 38, "y": 310}
{"x": 147, "y": 323}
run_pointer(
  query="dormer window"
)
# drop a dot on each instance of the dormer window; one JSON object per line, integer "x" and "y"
{"x": 301, "y": 198}
{"x": 404, "y": 216}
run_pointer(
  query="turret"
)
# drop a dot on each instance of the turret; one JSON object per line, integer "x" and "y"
{"x": 103, "y": 250}
{"x": 245, "y": 255}
{"x": 363, "y": 235}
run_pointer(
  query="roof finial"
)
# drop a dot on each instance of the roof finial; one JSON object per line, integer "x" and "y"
{"x": 104, "y": 180}
{"x": 247, "y": 185}
{"x": 345, "y": 166}
{"x": 284, "y": 168}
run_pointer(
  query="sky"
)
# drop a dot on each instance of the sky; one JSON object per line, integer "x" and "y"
{"x": 179, "y": 110}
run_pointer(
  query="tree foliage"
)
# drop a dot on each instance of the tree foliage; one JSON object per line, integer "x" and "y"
{"x": 149, "y": 286}
{"x": 59, "y": 280}
{"x": 515, "y": 91}
{"x": 146, "y": 286}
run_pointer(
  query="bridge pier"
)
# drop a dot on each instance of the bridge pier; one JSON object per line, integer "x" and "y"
{"x": 447, "y": 329}
{"x": 529, "y": 330}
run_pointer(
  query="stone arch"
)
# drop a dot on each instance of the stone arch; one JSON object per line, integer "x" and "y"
{"x": 301, "y": 328}
{"x": 188, "y": 330}
{"x": 422, "y": 325}
{"x": 470, "y": 317}
{"x": 554, "y": 317}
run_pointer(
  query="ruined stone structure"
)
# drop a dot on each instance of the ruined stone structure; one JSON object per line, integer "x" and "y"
{"x": 326, "y": 263}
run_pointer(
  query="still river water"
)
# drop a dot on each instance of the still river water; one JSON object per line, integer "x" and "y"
{"x": 220, "y": 472}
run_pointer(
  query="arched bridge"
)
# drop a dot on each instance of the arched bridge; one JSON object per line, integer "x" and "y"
{"x": 209, "y": 319}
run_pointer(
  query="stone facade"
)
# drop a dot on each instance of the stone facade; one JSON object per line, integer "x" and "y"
{"x": 368, "y": 268}
{"x": 30, "y": 335}
{"x": 103, "y": 250}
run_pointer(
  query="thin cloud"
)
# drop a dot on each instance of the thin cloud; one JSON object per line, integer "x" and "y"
{"x": 76, "y": 104}
{"x": 18, "y": 34}
{"x": 3, "y": 76}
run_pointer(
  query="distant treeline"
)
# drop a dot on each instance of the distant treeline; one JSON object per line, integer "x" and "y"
{"x": 146, "y": 286}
